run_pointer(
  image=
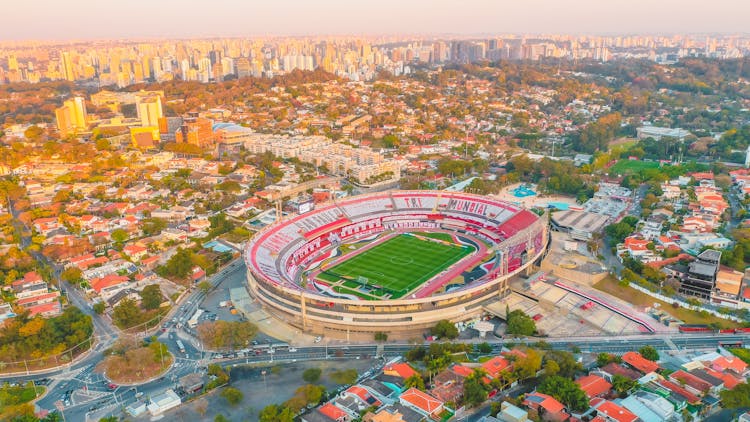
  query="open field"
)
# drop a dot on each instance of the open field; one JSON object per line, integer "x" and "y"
{"x": 396, "y": 266}
{"x": 611, "y": 285}
{"x": 632, "y": 166}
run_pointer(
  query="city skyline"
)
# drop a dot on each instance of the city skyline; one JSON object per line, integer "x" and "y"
{"x": 87, "y": 19}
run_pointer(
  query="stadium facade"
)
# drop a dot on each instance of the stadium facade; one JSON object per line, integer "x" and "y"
{"x": 281, "y": 258}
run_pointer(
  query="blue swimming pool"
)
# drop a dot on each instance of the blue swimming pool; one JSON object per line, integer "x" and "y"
{"x": 559, "y": 205}
{"x": 523, "y": 191}
{"x": 217, "y": 247}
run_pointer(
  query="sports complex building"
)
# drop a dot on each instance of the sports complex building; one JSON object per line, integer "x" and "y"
{"x": 394, "y": 262}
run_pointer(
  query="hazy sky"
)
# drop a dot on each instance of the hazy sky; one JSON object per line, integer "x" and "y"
{"x": 75, "y": 19}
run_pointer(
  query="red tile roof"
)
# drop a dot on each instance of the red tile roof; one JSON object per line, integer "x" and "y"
{"x": 640, "y": 363}
{"x": 549, "y": 403}
{"x": 461, "y": 370}
{"x": 593, "y": 385}
{"x": 109, "y": 280}
{"x": 616, "y": 412}
{"x": 691, "y": 381}
{"x": 44, "y": 308}
{"x": 730, "y": 363}
{"x": 495, "y": 365}
{"x": 402, "y": 370}
{"x": 333, "y": 412}
{"x": 689, "y": 397}
{"x": 422, "y": 400}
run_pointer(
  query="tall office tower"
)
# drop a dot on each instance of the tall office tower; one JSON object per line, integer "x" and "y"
{"x": 80, "y": 117}
{"x": 227, "y": 64}
{"x": 12, "y": 63}
{"x": 146, "y": 66}
{"x": 149, "y": 110}
{"x": 72, "y": 116}
{"x": 67, "y": 67}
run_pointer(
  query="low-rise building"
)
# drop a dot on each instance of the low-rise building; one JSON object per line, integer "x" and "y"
{"x": 164, "y": 401}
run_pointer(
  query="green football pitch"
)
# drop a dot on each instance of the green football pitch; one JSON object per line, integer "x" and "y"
{"x": 397, "y": 265}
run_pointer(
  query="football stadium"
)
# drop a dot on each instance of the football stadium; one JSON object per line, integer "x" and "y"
{"x": 394, "y": 262}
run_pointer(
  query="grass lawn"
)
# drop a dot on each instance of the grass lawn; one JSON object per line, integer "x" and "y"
{"x": 634, "y": 166}
{"x": 399, "y": 264}
{"x": 611, "y": 285}
{"x": 13, "y": 396}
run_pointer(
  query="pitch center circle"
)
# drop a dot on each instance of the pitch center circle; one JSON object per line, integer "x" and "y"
{"x": 401, "y": 260}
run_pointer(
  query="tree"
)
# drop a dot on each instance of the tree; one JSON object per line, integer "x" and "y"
{"x": 602, "y": 359}
{"x": 222, "y": 335}
{"x": 551, "y": 368}
{"x": 33, "y": 133}
{"x": 232, "y": 395}
{"x": 520, "y": 324}
{"x": 445, "y": 329}
{"x": 72, "y": 275}
{"x": 151, "y": 297}
{"x": 566, "y": 391}
{"x": 567, "y": 364}
{"x": 179, "y": 265}
{"x": 311, "y": 375}
{"x": 484, "y": 348}
{"x": 622, "y": 384}
{"x": 152, "y": 226}
{"x": 414, "y": 381}
{"x": 220, "y": 418}
{"x": 119, "y": 235}
{"x": 381, "y": 336}
{"x": 204, "y": 286}
{"x": 475, "y": 389}
{"x": 527, "y": 367}
{"x": 100, "y": 307}
{"x": 738, "y": 397}
{"x": 126, "y": 314}
{"x": 648, "y": 352}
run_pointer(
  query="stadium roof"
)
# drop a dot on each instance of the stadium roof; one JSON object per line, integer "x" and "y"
{"x": 580, "y": 220}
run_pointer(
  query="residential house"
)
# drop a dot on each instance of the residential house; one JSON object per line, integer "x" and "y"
{"x": 135, "y": 251}
{"x": 548, "y": 408}
{"x": 731, "y": 364}
{"x": 401, "y": 370}
{"x": 421, "y": 402}
{"x": 394, "y": 413}
{"x": 108, "y": 285}
{"x": 613, "y": 412}
{"x": 511, "y": 413}
{"x": 639, "y": 363}
{"x": 692, "y": 383}
{"x": 594, "y": 386}
{"x": 495, "y": 366}
{"x": 30, "y": 285}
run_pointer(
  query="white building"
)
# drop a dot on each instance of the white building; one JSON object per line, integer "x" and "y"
{"x": 162, "y": 402}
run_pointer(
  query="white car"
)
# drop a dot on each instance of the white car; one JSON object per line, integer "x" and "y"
{"x": 318, "y": 339}
{"x": 292, "y": 350}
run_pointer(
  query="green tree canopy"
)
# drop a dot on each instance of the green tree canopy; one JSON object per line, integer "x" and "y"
{"x": 520, "y": 324}
{"x": 649, "y": 352}
{"x": 151, "y": 297}
{"x": 566, "y": 391}
{"x": 445, "y": 329}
